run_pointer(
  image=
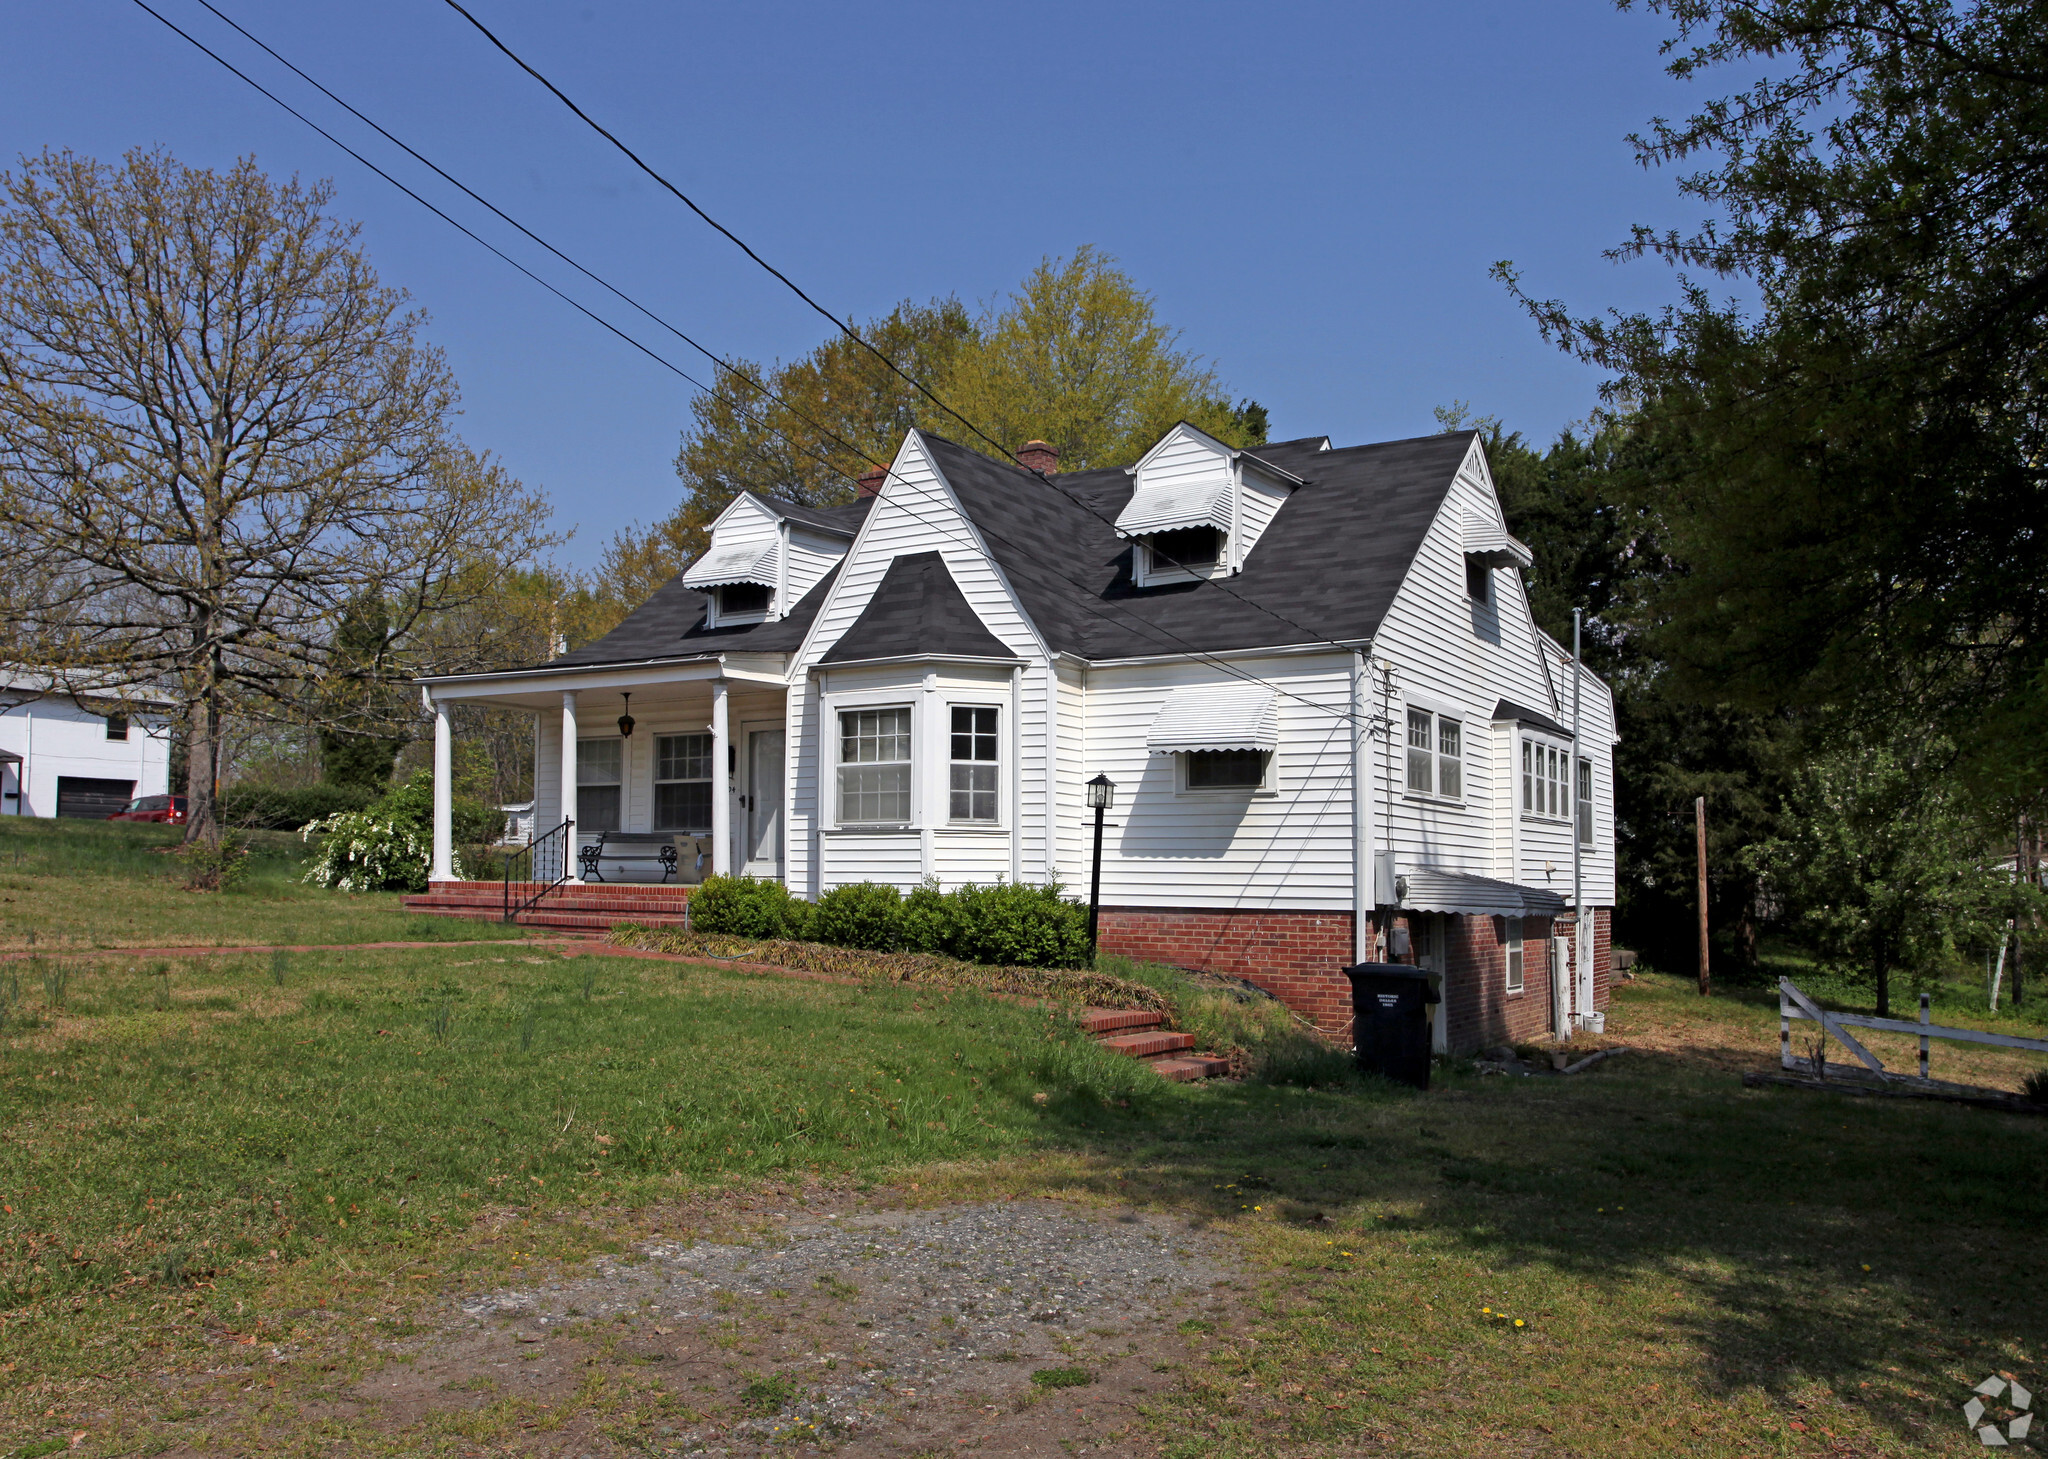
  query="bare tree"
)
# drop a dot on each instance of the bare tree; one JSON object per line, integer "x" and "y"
{"x": 217, "y": 428}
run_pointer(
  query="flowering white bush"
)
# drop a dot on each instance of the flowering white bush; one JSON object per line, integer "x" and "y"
{"x": 370, "y": 851}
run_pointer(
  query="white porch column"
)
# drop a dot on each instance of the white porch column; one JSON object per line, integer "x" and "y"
{"x": 721, "y": 781}
{"x": 444, "y": 796}
{"x": 571, "y": 866}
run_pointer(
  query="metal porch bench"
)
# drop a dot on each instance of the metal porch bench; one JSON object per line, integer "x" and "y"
{"x": 628, "y": 846}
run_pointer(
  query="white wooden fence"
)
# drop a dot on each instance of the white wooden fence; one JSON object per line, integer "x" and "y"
{"x": 1794, "y": 1004}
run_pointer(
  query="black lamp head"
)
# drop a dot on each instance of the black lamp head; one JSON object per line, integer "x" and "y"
{"x": 626, "y": 719}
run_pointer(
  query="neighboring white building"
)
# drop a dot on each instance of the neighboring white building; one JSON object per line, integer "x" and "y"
{"x": 1335, "y": 731}
{"x": 76, "y": 755}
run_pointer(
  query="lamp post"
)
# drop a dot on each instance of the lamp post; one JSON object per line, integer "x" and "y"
{"x": 1101, "y": 796}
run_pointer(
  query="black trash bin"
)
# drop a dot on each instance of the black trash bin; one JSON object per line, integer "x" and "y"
{"x": 1390, "y": 1020}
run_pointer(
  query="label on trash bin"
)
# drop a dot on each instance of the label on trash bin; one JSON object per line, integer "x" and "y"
{"x": 1388, "y": 1000}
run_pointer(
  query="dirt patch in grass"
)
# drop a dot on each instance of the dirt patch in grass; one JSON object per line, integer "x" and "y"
{"x": 1002, "y": 1327}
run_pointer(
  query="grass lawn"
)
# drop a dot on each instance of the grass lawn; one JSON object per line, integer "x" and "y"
{"x": 204, "y": 1168}
{"x": 87, "y": 884}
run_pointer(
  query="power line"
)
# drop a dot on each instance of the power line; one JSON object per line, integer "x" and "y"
{"x": 839, "y": 324}
{"x": 1157, "y": 632}
{"x": 659, "y": 359}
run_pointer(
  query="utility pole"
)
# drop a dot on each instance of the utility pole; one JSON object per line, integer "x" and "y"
{"x": 1582, "y": 982}
{"x": 1699, "y": 816}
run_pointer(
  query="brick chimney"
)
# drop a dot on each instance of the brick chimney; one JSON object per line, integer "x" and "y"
{"x": 1038, "y": 456}
{"x": 870, "y": 483}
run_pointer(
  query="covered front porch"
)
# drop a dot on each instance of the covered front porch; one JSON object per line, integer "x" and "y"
{"x": 692, "y": 753}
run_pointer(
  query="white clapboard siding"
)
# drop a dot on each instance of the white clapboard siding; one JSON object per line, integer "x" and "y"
{"x": 1259, "y": 502}
{"x": 809, "y": 555}
{"x": 1073, "y": 770}
{"x": 917, "y": 512}
{"x": 1287, "y": 851}
{"x": 1454, "y": 656}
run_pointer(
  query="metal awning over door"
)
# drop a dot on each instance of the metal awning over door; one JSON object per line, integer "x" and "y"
{"x": 1427, "y": 889}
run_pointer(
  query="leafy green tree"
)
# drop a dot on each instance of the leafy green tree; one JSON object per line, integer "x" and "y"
{"x": 1882, "y": 861}
{"x": 1078, "y": 357}
{"x": 1852, "y": 465}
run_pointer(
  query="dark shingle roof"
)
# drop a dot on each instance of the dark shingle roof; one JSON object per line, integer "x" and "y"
{"x": 1534, "y": 718}
{"x": 843, "y": 520}
{"x": 670, "y": 625}
{"x": 917, "y": 609}
{"x": 1326, "y": 568}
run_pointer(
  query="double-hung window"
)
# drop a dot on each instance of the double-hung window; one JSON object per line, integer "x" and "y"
{"x": 1586, "y": 802}
{"x": 117, "y": 726}
{"x": 975, "y": 761}
{"x": 599, "y": 769}
{"x": 1436, "y": 755}
{"x": 682, "y": 783}
{"x": 874, "y": 767}
{"x": 1512, "y": 942}
{"x": 1546, "y": 788}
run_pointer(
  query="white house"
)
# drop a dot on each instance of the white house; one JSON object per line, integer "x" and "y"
{"x": 1334, "y": 731}
{"x": 64, "y": 754}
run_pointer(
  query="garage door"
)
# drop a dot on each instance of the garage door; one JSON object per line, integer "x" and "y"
{"x": 92, "y": 800}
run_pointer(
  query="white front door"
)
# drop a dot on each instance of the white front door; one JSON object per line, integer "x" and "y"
{"x": 763, "y": 809}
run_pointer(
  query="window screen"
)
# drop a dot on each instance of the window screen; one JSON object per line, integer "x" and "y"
{"x": 1586, "y": 802}
{"x": 874, "y": 767}
{"x": 1226, "y": 769}
{"x": 1188, "y": 547}
{"x": 682, "y": 783}
{"x": 974, "y": 763}
{"x": 737, "y": 600}
{"x": 1478, "y": 580}
{"x": 117, "y": 726}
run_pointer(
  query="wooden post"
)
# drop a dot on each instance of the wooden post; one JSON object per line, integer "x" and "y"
{"x": 1923, "y": 1037}
{"x": 1699, "y": 812}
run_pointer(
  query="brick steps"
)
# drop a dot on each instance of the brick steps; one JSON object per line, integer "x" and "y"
{"x": 1138, "y": 1034}
{"x": 588, "y": 907}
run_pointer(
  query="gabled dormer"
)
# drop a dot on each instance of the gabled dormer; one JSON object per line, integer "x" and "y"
{"x": 762, "y": 560}
{"x": 1484, "y": 534}
{"x": 1198, "y": 508}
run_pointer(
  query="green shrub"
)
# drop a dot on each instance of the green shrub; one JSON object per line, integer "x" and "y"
{"x": 211, "y": 867}
{"x": 274, "y": 808}
{"x": 865, "y": 914}
{"x": 741, "y": 906}
{"x": 930, "y": 921}
{"x": 388, "y": 847}
{"x": 1011, "y": 925}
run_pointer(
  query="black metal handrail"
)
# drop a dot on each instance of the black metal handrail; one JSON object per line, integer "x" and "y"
{"x": 546, "y": 860}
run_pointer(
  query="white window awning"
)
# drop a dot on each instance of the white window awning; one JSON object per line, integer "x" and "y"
{"x": 1487, "y": 540}
{"x": 1217, "y": 717}
{"x": 1202, "y": 502}
{"x": 1427, "y": 889}
{"x": 745, "y": 562}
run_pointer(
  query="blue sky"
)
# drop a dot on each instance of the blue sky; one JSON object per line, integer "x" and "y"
{"x": 1314, "y": 193}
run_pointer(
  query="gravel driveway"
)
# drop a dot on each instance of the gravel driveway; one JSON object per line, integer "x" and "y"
{"x": 893, "y": 1326}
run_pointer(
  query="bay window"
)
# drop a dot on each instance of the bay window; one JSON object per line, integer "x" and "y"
{"x": 874, "y": 767}
{"x": 975, "y": 757}
{"x": 1546, "y": 787}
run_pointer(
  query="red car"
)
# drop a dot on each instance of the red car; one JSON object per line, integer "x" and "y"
{"x": 170, "y": 808}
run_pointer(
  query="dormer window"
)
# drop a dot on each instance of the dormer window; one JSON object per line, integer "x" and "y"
{"x": 1198, "y": 508}
{"x": 1188, "y": 550}
{"x": 737, "y": 601}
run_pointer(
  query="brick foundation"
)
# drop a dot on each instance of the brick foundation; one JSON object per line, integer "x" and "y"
{"x": 1298, "y": 957}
